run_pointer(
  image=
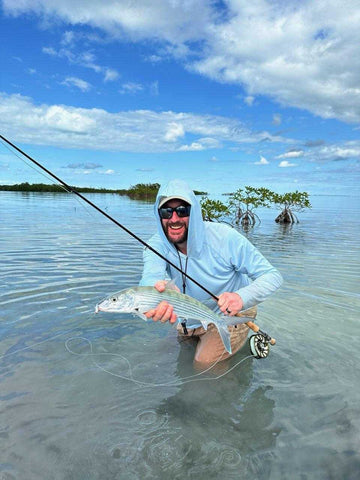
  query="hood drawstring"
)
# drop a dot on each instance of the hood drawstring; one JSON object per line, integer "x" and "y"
{"x": 183, "y": 275}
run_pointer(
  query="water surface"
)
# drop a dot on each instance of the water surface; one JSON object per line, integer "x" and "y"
{"x": 85, "y": 396}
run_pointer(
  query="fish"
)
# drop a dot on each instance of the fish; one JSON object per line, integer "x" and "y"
{"x": 139, "y": 299}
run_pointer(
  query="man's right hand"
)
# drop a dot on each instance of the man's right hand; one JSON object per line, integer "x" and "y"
{"x": 164, "y": 311}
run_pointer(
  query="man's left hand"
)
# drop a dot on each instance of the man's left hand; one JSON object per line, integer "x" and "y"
{"x": 230, "y": 303}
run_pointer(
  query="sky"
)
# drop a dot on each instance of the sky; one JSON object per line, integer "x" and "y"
{"x": 220, "y": 93}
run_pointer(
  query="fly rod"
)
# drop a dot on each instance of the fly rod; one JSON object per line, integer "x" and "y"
{"x": 69, "y": 188}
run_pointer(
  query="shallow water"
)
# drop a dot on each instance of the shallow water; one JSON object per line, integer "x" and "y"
{"x": 85, "y": 396}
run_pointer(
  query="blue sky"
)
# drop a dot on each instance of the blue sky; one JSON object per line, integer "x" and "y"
{"x": 220, "y": 93}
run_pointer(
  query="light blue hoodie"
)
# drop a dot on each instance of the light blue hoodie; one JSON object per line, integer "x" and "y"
{"x": 218, "y": 257}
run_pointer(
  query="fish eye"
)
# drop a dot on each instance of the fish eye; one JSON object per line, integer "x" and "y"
{"x": 113, "y": 299}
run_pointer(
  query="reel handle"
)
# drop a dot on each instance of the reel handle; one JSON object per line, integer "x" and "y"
{"x": 255, "y": 329}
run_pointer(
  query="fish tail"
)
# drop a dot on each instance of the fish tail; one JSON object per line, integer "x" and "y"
{"x": 225, "y": 336}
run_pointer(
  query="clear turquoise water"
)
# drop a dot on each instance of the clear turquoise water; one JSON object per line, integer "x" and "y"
{"x": 78, "y": 391}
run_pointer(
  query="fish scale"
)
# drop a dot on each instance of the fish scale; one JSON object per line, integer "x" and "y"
{"x": 198, "y": 312}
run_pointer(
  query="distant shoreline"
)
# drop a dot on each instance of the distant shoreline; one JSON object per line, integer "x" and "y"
{"x": 140, "y": 191}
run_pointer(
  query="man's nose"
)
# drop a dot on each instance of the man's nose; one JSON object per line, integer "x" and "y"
{"x": 174, "y": 216}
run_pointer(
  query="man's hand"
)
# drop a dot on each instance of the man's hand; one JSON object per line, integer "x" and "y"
{"x": 230, "y": 303}
{"x": 164, "y": 311}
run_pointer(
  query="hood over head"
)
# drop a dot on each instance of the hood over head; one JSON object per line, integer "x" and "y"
{"x": 180, "y": 189}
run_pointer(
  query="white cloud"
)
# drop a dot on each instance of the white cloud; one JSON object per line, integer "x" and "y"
{"x": 194, "y": 147}
{"x": 262, "y": 161}
{"x": 131, "y": 131}
{"x": 302, "y": 54}
{"x": 50, "y": 51}
{"x": 84, "y": 59}
{"x": 109, "y": 172}
{"x": 131, "y": 88}
{"x": 174, "y": 132}
{"x": 292, "y": 154}
{"x": 249, "y": 100}
{"x": 201, "y": 144}
{"x": 154, "y": 58}
{"x": 110, "y": 75}
{"x": 68, "y": 38}
{"x": 60, "y": 118}
{"x": 346, "y": 151}
{"x": 154, "y": 88}
{"x": 86, "y": 166}
{"x": 77, "y": 82}
{"x": 286, "y": 164}
{"x": 171, "y": 20}
{"x": 276, "y": 119}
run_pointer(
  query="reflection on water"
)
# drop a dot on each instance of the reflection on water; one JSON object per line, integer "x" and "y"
{"x": 113, "y": 397}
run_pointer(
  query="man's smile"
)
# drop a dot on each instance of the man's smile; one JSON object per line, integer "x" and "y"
{"x": 176, "y": 227}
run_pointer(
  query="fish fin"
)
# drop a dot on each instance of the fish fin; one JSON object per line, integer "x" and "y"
{"x": 137, "y": 313}
{"x": 204, "y": 324}
{"x": 225, "y": 336}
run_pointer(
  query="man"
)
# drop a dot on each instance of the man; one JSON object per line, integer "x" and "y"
{"x": 215, "y": 255}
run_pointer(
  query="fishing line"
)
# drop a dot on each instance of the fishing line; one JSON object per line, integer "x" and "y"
{"x": 5, "y": 355}
{"x": 174, "y": 383}
{"x": 254, "y": 327}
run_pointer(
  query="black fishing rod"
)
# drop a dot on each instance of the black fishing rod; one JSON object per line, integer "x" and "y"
{"x": 250, "y": 324}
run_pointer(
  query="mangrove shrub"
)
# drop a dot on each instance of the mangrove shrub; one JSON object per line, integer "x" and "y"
{"x": 242, "y": 204}
{"x": 289, "y": 203}
{"x": 213, "y": 210}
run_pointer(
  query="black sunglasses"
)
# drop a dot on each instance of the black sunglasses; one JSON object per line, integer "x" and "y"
{"x": 181, "y": 211}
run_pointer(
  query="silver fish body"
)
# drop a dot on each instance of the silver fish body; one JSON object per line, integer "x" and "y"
{"x": 138, "y": 300}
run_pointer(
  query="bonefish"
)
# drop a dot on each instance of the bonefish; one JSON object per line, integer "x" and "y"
{"x": 138, "y": 300}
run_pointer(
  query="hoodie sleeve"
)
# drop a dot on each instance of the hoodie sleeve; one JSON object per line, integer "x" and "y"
{"x": 264, "y": 278}
{"x": 155, "y": 268}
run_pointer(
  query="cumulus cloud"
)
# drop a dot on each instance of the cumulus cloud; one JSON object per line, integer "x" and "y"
{"x": 262, "y": 161}
{"x": 292, "y": 154}
{"x": 201, "y": 144}
{"x": 282, "y": 54}
{"x": 131, "y": 131}
{"x": 286, "y": 163}
{"x": 346, "y": 151}
{"x": 302, "y": 54}
{"x": 174, "y": 21}
{"x": 174, "y": 132}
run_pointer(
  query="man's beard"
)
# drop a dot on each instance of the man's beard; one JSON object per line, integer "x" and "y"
{"x": 179, "y": 240}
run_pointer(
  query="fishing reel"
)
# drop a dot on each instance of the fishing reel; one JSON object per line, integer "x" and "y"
{"x": 259, "y": 345}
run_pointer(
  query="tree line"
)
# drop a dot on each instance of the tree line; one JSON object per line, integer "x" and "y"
{"x": 241, "y": 205}
{"x": 238, "y": 210}
{"x": 140, "y": 191}
{"x": 143, "y": 191}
